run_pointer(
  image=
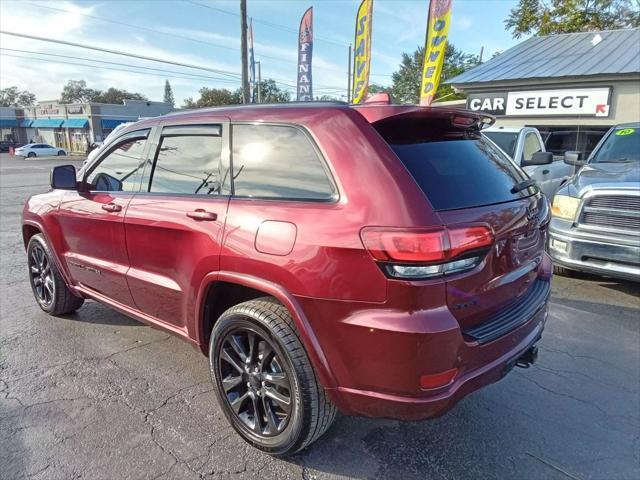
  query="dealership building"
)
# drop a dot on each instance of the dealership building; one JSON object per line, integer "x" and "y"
{"x": 572, "y": 87}
{"x": 72, "y": 126}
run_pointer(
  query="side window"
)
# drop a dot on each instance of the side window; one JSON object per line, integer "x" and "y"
{"x": 277, "y": 162}
{"x": 531, "y": 146}
{"x": 120, "y": 169}
{"x": 189, "y": 161}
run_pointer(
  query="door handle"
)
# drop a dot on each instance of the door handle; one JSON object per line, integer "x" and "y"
{"x": 202, "y": 215}
{"x": 545, "y": 171}
{"x": 112, "y": 207}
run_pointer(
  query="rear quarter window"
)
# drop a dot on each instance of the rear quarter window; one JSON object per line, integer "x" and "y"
{"x": 278, "y": 161}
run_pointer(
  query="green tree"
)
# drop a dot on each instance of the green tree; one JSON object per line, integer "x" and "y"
{"x": 12, "y": 97}
{"x": 546, "y": 17}
{"x": 168, "y": 94}
{"x": 213, "y": 97}
{"x": 406, "y": 81}
{"x": 271, "y": 93}
{"x": 115, "y": 95}
{"x": 76, "y": 91}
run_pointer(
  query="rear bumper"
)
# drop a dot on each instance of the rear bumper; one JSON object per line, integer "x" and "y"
{"x": 379, "y": 353}
{"x": 601, "y": 254}
{"x": 377, "y": 404}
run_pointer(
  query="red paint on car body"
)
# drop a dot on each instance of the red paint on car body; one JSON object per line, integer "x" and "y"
{"x": 370, "y": 336}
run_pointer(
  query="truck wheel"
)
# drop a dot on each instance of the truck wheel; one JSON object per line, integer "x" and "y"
{"x": 264, "y": 380}
{"x": 49, "y": 288}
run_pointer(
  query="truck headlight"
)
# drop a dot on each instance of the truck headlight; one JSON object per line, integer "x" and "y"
{"x": 565, "y": 207}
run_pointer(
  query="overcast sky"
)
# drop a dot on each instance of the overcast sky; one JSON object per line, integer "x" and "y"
{"x": 188, "y": 32}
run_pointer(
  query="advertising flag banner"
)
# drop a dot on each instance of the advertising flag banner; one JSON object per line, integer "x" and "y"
{"x": 252, "y": 65}
{"x": 305, "y": 50}
{"x": 434, "y": 48}
{"x": 362, "y": 51}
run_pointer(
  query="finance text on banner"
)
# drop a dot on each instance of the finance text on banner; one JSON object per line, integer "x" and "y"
{"x": 305, "y": 50}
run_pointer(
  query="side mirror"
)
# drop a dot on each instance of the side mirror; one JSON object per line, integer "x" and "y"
{"x": 573, "y": 158}
{"x": 63, "y": 177}
{"x": 538, "y": 158}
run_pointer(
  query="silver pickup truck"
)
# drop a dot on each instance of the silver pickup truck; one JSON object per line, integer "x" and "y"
{"x": 595, "y": 225}
{"x": 525, "y": 146}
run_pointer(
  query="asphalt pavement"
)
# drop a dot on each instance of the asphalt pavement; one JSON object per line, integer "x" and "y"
{"x": 97, "y": 395}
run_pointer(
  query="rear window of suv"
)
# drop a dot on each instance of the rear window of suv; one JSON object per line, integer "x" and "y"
{"x": 455, "y": 169}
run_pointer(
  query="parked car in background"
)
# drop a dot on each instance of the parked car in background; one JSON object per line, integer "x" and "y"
{"x": 7, "y": 145}
{"x": 559, "y": 140}
{"x": 39, "y": 150}
{"x": 596, "y": 216}
{"x": 525, "y": 146}
{"x": 383, "y": 260}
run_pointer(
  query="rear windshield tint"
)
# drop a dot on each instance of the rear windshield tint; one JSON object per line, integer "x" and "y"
{"x": 461, "y": 172}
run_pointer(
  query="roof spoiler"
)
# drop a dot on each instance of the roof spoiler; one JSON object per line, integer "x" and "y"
{"x": 459, "y": 118}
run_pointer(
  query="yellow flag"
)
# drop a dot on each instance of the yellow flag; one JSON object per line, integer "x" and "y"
{"x": 362, "y": 51}
{"x": 434, "y": 48}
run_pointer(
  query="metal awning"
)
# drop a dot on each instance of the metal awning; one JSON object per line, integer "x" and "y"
{"x": 25, "y": 123}
{"x": 75, "y": 123}
{"x": 112, "y": 122}
{"x": 8, "y": 122}
{"x": 47, "y": 122}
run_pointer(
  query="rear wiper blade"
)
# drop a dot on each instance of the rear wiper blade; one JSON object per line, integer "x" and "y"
{"x": 518, "y": 187}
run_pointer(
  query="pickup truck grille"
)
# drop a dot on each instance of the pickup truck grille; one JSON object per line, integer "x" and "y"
{"x": 616, "y": 212}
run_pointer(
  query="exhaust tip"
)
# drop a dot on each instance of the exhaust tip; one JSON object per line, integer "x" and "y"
{"x": 528, "y": 358}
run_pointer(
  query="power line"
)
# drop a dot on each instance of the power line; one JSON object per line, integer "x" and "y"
{"x": 267, "y": 23}
{"x": 183, "y": 37}
{"x": 117, "y": 52}
{"x": 106, "y": 68}
{"x": 206, "y": 77}
{"x": 137, "y": 27}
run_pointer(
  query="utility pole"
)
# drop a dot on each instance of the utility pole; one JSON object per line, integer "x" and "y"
{"x": 243, "y": 51}
{"x": 349, "y": 76}
{"x": 259, "y": 83}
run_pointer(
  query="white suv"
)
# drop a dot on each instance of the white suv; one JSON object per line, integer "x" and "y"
{"x": 525, "y": 146}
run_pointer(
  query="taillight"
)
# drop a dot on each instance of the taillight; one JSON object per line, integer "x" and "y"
{"x": 427, "y": 253}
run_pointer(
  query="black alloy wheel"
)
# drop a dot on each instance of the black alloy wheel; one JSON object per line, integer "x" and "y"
{"x": 41, "y": 276}
{"x": 264, "y": 380}
{"x": 255, "y": 382}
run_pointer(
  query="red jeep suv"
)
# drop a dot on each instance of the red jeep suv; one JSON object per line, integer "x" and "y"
{"x": 380, "y": 260}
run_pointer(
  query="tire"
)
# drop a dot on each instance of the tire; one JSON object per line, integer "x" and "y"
{"x": 311, "y": 412}
{"x": 563, "y": 272}
{"x": 31, "y": 154}
{"x": 48, "y": 286}
{"x": 61, "y": 153}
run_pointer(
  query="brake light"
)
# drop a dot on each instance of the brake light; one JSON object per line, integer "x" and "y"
{"x": 405, "y": 246}
{"x": 464, "y": 239}
{"x": 421, "y": 254}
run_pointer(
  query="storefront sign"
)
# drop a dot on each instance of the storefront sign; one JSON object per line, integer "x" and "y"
{"x": 593, "y": 102}
{"x": 48, "y": 109}
{"x": 493, "y": 103}
{"x": 75, "y": 110}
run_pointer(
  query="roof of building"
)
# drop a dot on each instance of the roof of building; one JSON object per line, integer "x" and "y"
{"x": 565, "y": 55}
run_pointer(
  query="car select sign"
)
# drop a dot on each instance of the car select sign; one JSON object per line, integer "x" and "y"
{"x": 532, "y": 103}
